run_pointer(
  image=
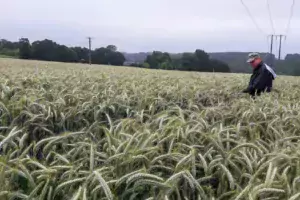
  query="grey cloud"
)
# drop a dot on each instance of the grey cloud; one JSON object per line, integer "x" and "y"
{"x": 144, "y": 25}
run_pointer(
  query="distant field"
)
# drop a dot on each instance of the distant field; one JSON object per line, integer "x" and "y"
{"x": 74, "y": 131}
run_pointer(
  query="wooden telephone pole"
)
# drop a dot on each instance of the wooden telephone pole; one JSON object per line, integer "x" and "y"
{"x": 280, "y": 40}
{"x": 280, "y": 43}
{"x": 90, "y": 50}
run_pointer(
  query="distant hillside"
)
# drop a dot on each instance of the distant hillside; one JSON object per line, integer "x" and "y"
{"x": 237, "y": 60}
{"x": 136, "y": 57}
{"x": 290, "y": 65}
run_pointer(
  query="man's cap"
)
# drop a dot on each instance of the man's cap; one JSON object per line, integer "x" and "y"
{"x": 252, "y": 56}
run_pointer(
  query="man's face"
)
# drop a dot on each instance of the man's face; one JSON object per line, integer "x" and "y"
{"x": 255, "y": 62}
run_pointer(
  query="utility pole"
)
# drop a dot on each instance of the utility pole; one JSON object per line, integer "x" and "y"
{"x": 90, "y": 50}
{"x": 271, "y": 48}
{"x": 280, "y": 40}
{"x": 280, "y": 43}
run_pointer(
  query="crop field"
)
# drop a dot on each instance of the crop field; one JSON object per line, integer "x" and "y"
{"x": 80, "y": 132}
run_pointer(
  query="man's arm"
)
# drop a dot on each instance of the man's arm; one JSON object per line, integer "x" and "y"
{"x": 260, "y": 82}
{"x": 248, "y": 89}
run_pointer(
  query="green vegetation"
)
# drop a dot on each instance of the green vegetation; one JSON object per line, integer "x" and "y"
{"x": 290, "y": 65}
{"x": 49, "y": 50}
{"x": 197, "y": 61}
{"x": 9, "y": 49}
{"x": 7, "y": 53}
{"x": 70, "y": 131}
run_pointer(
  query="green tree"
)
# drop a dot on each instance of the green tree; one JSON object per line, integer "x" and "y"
{"x": 219, "y": 66}
{"x": 157, "y": 58}
{"x": 24, "y": 48}
{"x": 45, "y": 50}
{"x": 5, "y": 44}
{"x": 116, "y": 58}
{"x": 51, "y": 51}
{"x": 100, "y": 56}
{"x": 65, "y": 54}
{"x": 145, "y": 65}
{"x": 112, "y": 48}
{"x": 296, "y": 69}
{"x": 82, "y": 54}
{"x": 106, "y": 56}
{"x": 188, "y": 61}
{"x": 166, "y": 65}
{"x": 201, "y": 61}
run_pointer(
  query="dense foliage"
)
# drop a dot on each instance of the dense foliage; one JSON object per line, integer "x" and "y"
{"x": 9, "y": 49}
{"x": 51, "y": 51}
{"x": 290, "y": 65}
{"x": 75, "y": 132}
{"x": 197, "y": 61}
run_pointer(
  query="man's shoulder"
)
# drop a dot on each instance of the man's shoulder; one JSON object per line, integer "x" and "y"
{"x": 264, "y": 67}
{"x": 269, "y": 70}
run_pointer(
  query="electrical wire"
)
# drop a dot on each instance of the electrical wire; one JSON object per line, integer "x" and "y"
{"x": 252, "y": 18}
{"x": 290, "y": 18}
{"x": 270, "y": 16}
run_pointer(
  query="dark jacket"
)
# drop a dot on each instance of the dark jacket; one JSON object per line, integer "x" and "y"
{"x": 260, "y": 81}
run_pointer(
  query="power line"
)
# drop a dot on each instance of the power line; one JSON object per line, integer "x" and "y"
{"x": 252, "y": 18}
{"x": 270, "y": 16}
{"x": 290, "y": 18}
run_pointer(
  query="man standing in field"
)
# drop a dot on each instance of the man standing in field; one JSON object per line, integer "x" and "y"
{"x": 262, "y": 77}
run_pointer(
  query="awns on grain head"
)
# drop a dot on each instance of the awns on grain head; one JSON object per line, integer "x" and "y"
{"x": 73, "y": 132}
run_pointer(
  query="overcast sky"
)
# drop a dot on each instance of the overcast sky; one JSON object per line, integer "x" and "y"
{"x": 146, "y": 25}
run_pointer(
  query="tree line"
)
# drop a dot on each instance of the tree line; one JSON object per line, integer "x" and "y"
{"x": 197, "y": 61}
{"x": 290, "y": 65}
{"x": 49, "y": 50}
